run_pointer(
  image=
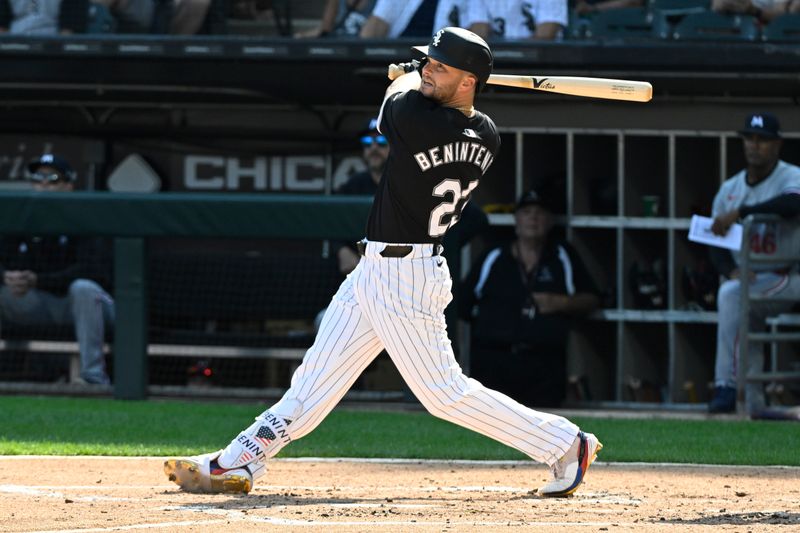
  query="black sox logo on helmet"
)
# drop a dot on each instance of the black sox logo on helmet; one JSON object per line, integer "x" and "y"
{"x": 461, "y": 49}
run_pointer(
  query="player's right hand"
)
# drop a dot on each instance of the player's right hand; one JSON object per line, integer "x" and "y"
{"x": 397, "y": 70}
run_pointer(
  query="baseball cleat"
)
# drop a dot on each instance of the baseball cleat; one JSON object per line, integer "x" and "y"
{"x": 569, "y": 471}
{"x": 724, "y": 400}
{"x": 202, "y": 473}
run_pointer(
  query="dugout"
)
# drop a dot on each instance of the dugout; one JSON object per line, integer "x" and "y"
{"x": 247, "y": 115}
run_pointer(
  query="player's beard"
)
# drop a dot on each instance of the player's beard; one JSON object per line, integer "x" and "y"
{"x": 439, "y": 93}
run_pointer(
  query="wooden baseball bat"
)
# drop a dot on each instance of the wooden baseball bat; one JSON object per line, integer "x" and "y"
{"x": 633, "y": 91}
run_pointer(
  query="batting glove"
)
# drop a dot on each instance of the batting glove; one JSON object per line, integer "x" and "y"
{"x": 397, "y": 70}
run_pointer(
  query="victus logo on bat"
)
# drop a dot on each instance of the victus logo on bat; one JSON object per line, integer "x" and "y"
{"x": 542, "y": 83}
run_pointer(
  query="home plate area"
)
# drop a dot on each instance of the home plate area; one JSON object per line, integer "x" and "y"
{"x": 93, "y": 494}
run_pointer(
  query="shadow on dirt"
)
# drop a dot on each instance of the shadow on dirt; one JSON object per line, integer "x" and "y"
{"x": 740, "y": 519}
{"x": 266, "y": 501}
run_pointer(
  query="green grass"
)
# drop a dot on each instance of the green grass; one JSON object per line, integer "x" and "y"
{"x": 77, "y": 426}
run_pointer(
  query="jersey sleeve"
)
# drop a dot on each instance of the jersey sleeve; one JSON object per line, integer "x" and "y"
{"x": 404, "y": 114}
{"x": 718, "y": 206}
{"x": 792, "y": 183}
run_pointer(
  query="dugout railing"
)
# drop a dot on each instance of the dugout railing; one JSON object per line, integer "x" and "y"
{"x": 789, "y": 252}
{"x": 131, "y": 220}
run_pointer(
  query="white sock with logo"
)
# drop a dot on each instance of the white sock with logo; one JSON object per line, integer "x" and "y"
{"x": 263, "y": 439}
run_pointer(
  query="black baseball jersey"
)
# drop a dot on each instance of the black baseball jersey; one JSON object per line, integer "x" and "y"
{"x": 437, "y": 157}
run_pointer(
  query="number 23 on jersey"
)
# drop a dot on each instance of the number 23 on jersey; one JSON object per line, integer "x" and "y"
{"x": 444, "y": 215}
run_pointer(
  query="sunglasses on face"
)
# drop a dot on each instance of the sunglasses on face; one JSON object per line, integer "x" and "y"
{"x": 49, "y": 177}
{"x": 380, "y": 140}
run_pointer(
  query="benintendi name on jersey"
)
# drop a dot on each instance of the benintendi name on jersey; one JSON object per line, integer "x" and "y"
{"x": 456, "y": 152}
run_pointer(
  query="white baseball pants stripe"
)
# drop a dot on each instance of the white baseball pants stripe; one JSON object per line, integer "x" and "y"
{"x": 398, "y": 303}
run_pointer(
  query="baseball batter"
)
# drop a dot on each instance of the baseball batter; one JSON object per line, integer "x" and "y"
{"x": 767, "y": 185}
{"x": 396, "y": 296}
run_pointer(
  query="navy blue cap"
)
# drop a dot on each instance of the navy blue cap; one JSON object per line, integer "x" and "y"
{"x": 763, "y": 124}
{"x": 51, "y": 160}
{"x": 533, "y": 198}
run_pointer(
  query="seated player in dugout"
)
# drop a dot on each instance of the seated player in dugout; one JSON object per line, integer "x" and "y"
{"x": 396, "y": 296}
{"x": 767, "y": 185}
{"x": 521, "y": 299}
{"x": 59, "y": 280}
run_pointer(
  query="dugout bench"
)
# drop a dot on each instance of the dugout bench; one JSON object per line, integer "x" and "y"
{"x": 224, "y": 304}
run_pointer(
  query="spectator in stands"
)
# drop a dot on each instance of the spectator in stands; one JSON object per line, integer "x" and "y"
{"x": 56, "y": 280}
{"x": 587, "y": 7}
{"x": 341, "y": 18}
{"x": 766, "y": 185}
{"x": 521, "y": 299}
{"x": 131, "y": 16}
{"x": 763, "y": 10}
{"x": 43, "y": 17}
{"x": 421, "y": 18}
{"x": 178, "y": 17}
{"x": 540, "y": 20}
{"x": 189, "y": 16}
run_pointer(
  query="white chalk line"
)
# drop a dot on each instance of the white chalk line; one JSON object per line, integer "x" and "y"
{"x": 99, "y": 486}
{"x": 56, "y": 491}
{"x": 184, "y": 523}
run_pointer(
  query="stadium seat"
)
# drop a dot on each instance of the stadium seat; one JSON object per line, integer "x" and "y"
{"x": 672, "y": 8}
{"x": 784, "y": 29}
{"x": 711, "y": 26}
{"x": 625, "y": 23}
{"x": 577, "y": 27}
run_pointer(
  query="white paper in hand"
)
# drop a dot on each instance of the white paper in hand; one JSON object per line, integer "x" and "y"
{"x": 700, "y": 231}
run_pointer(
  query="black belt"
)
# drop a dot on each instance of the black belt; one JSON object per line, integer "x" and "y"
{"x": 393, "y": 250}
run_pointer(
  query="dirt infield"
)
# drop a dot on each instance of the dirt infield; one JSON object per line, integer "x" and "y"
{"x": 131, "y": 494}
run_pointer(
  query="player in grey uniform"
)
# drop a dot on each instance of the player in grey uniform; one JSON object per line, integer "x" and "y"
{"x": 767, "y": 185}
{"x": 396, "y": 296}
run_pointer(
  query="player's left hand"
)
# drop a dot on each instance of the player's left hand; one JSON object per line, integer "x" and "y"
{"x": 723, "y": 222}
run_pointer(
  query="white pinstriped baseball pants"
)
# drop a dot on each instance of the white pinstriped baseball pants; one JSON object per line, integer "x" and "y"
{"x": 398, "y": 303}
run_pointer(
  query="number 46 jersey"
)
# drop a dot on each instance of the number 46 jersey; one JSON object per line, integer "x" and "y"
{"x": 767, "y": 239}
{"x": 436, "y": 159}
